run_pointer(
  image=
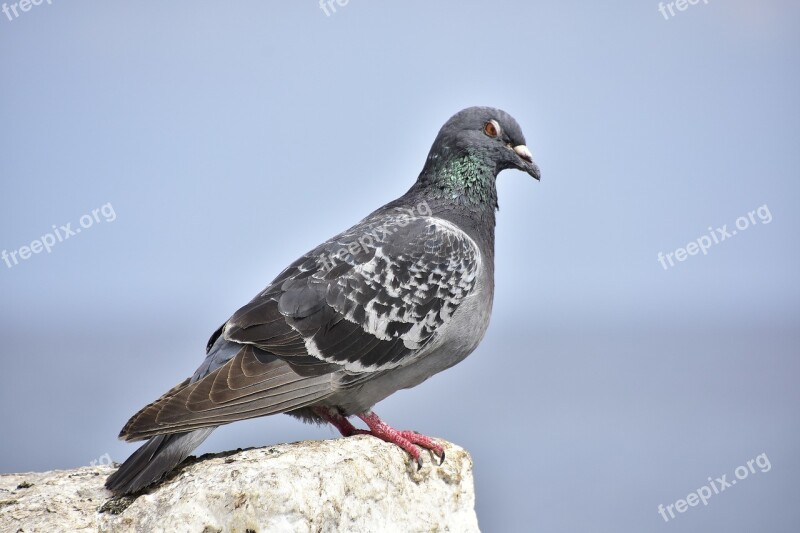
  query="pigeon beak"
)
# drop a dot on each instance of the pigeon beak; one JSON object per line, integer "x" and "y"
{"x": 529, "y": 166}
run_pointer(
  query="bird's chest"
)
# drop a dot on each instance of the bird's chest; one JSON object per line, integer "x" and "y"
{"x": 462, "y": 334}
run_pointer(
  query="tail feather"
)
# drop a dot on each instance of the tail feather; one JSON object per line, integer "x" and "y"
{"x": 154, "y": 459}
{"x": 235, "y": 382}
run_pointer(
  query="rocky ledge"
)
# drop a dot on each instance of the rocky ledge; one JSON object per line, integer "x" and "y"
{"x": 350, "y": 484}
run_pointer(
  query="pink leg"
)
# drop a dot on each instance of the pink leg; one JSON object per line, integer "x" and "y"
{"x": 339, "y": 422}
{"x": 407, "y": 440}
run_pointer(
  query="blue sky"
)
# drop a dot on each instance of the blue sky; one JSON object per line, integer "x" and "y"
{"x": 229, "y": 139}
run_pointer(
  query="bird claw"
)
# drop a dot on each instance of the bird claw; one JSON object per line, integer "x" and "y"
{"x": 410, "y": 441}
{"x": 423, "y": 441}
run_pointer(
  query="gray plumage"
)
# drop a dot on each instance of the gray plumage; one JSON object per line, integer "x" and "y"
{"x": 404, "y": 294}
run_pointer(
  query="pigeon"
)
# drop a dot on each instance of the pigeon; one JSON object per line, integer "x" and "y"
{"x": 402, "y": 295}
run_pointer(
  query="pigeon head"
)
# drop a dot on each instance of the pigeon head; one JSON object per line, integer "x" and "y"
{"x": 489, "y": 135}
{"x": 472, "y": 147}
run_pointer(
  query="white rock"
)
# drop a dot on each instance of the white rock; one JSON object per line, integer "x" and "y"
{"x": 354, "y": 484}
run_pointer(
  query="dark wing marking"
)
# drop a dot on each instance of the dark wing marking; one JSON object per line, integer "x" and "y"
{"x": 365, "y": 301}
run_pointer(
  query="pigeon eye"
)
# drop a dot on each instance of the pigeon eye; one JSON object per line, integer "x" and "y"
{"x": 491, "y": 128}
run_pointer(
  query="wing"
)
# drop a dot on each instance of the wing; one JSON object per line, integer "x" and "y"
{"x": 366, "y": 301}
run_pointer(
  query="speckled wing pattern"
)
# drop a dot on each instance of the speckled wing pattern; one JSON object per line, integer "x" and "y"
{"x": 366, "y": 301}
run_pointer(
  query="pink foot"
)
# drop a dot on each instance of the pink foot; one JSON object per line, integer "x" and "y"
{"x": 410, "y": 441}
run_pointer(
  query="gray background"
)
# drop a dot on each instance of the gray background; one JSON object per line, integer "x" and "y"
{"x": 232, "y": 137}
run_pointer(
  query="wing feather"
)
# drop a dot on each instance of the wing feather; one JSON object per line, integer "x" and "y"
{"x": 252, "y": 383}
{"x": 372, "y": 308}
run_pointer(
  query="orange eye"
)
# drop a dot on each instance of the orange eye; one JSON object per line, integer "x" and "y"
{"x": 491, "y": 128}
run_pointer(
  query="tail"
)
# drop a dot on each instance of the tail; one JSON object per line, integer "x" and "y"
{"x": 235, "y": 382}
{"x": 156, "y": 457}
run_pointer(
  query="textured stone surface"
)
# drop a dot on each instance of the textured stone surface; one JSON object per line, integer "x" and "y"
{"x": 353, "y": 484}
